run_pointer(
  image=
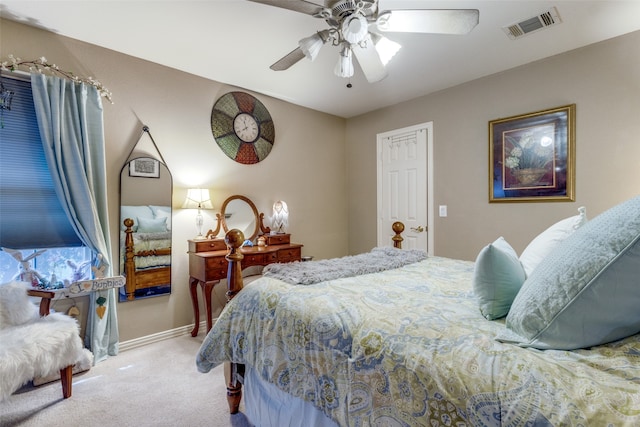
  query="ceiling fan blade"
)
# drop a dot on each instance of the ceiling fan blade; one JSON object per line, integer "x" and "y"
{"x": 288, "y": 60}
{"x": 303, "y": 6}
{"x": 435, "y": 21}
{"x": 369, "y": 60}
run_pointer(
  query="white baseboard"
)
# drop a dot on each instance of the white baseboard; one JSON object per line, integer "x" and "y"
{"x": 150, "y": 339}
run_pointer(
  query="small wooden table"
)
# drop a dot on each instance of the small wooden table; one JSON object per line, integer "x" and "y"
{"x": 208, "y": 265}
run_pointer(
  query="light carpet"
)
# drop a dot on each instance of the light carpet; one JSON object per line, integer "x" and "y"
{"x": 154, "y": 385}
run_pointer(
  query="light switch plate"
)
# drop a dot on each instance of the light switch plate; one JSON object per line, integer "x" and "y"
{"x": 443, "y": 210}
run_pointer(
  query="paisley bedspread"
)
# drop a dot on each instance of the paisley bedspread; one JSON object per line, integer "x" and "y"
{"x": 409, "y": 347}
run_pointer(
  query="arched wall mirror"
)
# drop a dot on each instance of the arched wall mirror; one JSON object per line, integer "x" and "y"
{"x": 241, "y": 213}
{"x": 145, "y": 224}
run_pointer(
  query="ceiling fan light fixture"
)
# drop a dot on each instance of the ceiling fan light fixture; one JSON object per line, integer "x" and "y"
{"x": 354, "y": 28}
{"x": 311, "y": 45}
{"x": 344, "y": 67}
{"x": 386, "y": 48}
{"x": 382, "y": 22}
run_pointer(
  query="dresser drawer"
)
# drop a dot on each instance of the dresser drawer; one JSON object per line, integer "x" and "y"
{"x": 253, "y": 259}
{"x": 272, "y": 257}
{"x": 277, "y": 239}
{"x": 289, "y": 255}
{"x": 207, "y": 245}
{"x": 216, "y": 268}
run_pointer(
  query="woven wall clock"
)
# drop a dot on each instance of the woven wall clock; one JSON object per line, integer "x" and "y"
{"x": 242, "y": 127}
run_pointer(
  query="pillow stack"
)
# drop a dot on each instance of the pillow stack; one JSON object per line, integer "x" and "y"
{"x": 147, "y": 219}
{"x": 586, "y": 292}
{"x": 499, "y": 273}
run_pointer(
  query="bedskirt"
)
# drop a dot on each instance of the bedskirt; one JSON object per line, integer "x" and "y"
{"x": 268, "y": 406}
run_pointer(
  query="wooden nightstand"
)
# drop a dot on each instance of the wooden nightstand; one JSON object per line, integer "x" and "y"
{"x": 208, "y": 265}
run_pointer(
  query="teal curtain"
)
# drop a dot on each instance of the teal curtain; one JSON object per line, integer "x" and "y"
{"x": 72, "y": 131}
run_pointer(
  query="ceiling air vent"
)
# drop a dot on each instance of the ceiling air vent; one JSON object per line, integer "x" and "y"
{"x": 531, "y": 25}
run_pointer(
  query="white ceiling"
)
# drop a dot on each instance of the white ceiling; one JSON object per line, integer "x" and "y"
{"x": 235, "y": 42}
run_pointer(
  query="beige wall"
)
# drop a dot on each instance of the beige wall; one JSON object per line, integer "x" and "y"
{"x": 177, "y": 108}
{"x": 324, "y": 167}
{"x": 603, "y": 80}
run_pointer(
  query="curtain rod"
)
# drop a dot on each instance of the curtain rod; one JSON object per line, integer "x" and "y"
{"x": 41, "y": 65}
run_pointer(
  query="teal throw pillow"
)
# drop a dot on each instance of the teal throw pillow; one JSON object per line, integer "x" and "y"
{"x": 497, "y": 278}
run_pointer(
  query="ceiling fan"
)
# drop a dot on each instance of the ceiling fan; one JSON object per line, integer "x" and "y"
{"x": 355, "y": 26}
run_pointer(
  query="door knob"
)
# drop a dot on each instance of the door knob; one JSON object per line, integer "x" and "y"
{"x": 418, "y": 229}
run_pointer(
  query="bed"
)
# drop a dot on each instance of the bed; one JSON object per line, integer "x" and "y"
{"x": 145, "y": 258}
{"x": 443, "y": 341}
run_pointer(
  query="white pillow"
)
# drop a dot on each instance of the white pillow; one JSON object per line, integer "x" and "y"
{"x": 153, "y": 225}
{"x": 544, "y": 242}
{"x": 134, "y": 212}
{"x": 162, "y": 212}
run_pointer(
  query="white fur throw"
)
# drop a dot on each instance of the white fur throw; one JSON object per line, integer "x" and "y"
{"x": 308, "y": 273}
{"x": 15, "y": 305}
{"x": 39, "y": 347}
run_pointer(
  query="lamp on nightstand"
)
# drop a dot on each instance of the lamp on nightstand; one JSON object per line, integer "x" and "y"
{"x": 198, "y": 198}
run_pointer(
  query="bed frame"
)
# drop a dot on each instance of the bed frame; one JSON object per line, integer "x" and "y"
{"x": 234, "y": 239}
{"x": 141, "y": 279}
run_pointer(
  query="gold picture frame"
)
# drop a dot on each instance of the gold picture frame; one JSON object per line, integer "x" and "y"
{"x": 532, "y": 157}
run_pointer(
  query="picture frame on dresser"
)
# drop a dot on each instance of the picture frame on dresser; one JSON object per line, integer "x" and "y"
{"x": 532, "y": 156}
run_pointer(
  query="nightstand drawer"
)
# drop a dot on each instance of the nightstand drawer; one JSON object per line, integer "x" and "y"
{"x": 207, "y": 245}
{"x": 289, "y": 255}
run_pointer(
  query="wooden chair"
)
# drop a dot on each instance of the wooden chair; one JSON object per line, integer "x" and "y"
{"x": 34, "y": 344}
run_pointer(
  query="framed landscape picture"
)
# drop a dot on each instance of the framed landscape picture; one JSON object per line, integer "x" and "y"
{"x": 532, "y": 156}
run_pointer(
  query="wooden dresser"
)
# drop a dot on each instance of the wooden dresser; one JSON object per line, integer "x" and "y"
{"x": 208, "y": 265}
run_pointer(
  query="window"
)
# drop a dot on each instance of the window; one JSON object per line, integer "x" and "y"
{"x": 31, "y": 215}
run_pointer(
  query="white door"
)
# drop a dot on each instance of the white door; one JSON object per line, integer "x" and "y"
{"x": 405, "y": 185}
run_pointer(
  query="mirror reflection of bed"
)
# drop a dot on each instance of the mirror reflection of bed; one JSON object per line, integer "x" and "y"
{"x": 145, "y": 232}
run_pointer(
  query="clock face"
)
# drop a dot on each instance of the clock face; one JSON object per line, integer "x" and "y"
{"x": 246, "y": 127}
{"x": 242, "y": 127}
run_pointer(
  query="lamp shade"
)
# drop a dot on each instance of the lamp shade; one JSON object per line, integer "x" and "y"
{"x": 355, "y": 28}
{"x": 344, "y": 67}
{"x": 311, "y": 46}
{"x": 386, "y": 48}
{"x": 197, "y": 198}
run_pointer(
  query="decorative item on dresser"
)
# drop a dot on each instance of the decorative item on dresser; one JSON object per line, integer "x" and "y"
{"x": 208, "y": 263}
{"x": 198, "y": 198}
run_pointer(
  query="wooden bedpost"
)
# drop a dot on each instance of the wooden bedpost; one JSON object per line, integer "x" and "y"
{"x": 234, "y": 239}
{"x": 129, "y": 263}
{"x": 398, "y": 228}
